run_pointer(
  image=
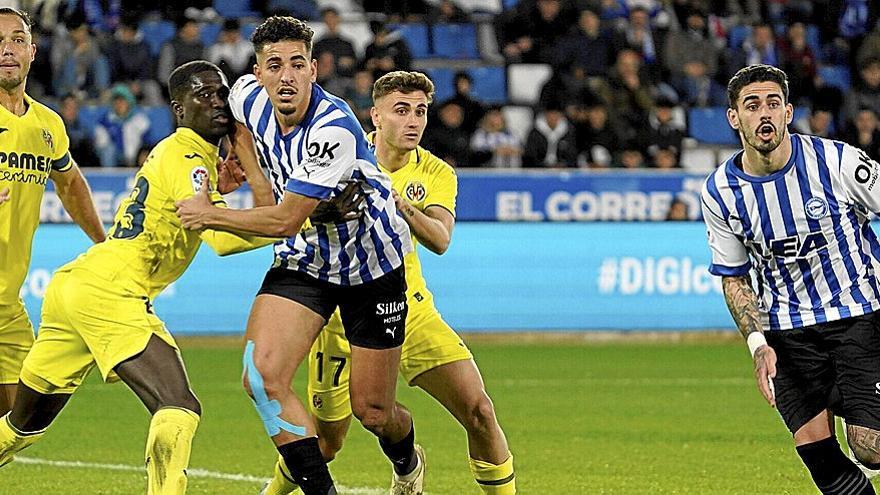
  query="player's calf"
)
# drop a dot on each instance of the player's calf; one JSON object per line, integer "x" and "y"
{"x": 832, "y": 471}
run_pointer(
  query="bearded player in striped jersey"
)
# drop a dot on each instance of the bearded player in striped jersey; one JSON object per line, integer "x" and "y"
{"x": 791, "y": 212}
{"x": 312, "y": 144}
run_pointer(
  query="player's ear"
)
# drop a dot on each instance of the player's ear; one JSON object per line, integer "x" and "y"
{"x": 374, "y": 116}
{"x": 257, "y": 73}
{"x": 789, "y": 113}
{"x": 177, "y": 110}
{"x": 733, "y": 118}
{"x": 314, "y": 70}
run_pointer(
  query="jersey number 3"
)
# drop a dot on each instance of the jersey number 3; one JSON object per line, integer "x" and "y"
{"x": 132, "y": 222}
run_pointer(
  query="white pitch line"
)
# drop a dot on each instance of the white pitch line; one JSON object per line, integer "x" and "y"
{"x": 191, "y": 472}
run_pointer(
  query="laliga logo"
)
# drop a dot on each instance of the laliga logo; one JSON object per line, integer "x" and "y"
{"x": 415, "y": 191}
{"x": 199, "y": 176}
{"x": 816, "y": 208}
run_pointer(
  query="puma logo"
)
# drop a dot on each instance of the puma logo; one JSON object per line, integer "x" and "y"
{"x": 390, "y": 331}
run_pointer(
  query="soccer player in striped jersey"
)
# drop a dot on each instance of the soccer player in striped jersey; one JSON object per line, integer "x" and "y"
{"x": 433, "y": 356}
{"x": 33, "y": 148}
{"x": 98, "y": 308}
{"x": 788, "y": 224}
{"x": 312, "y": 143}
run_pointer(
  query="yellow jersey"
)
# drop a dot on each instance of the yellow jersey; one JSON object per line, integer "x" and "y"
{"x": 147, "y": 248}
{"x": 424, "y": 181}
{"x": 31, "y": 146}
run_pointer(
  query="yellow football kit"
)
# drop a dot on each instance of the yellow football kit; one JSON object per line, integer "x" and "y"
{"x": 424, "y": 181}
{"x": 98, "y": 308}
{"x": 31, "y": 146}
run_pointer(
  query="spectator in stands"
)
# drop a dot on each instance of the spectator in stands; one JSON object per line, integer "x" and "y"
{"x": 120, "y": 133}
{"x": 448, "y": 12}
{"x": 142, "y": 155}
{"x": 665, "y": 158}
{"x": 551, "y": 142}
{"x": 80, "y": 135}
{"x": 818, "y": 123}
{"x": 697, "y": 89}
{"x": 301, "y": 9}
{"x": 231, "y": 52}
{"x": 327, "y": 77}
{"x": 870, "y": 48}
{"x": 447, "y": 137}
{"x": 736, "y": 12}
{"x": 864, "y": 133}
{"x": 473, "y": 109}
{"x": 398, "y": 10}
{"x": 631, "y": 156}
{"x": 596, "y": 136}
{"x": 531, "y": 31}
{"x": 665, "y": 132}
{"x": 760, "y": 47}
{"x": 342, "y": 49}
{"x": 186, "y": 46}
{"x": 866, "y": 93}
{"x": 586, "y": 45}
{"x": 131, "y": 63}
{"x": 613, "y": 10}
{"x": 40, "y": 80}
{"x": 799, "y": 62}
{"x": 77, "y": 61}
{"x": 691, "y": 44}
{"x": 387, "y": 52}
{"x": 630, "y": 96}
{"x": 639, "y": 36}
{"x": 493, "y": 145}
{"x": 678, "y": 211}
{"x": 360, "y": 97}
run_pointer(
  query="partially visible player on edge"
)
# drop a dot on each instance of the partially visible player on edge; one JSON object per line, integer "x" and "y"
{"x": 434, "y": 357}
{"x": 33, "y": 148}
{"x": 312, "y": 144}
{"x": 792, "y": 212}
{"x": 98, "y": 308}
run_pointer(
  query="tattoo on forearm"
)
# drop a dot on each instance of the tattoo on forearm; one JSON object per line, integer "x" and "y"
{"x": 743, "y": 304}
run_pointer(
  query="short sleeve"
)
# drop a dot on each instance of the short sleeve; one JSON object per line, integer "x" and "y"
{"x": 859, "y": 175}
{"x": 444, "y": 188}
{"x": 242, "y": 88}
{"x": 61, "y": 159}
{"x": 729, "y": 255}
{"x": 329, "y": 155}
{"x": 189, "y": 178}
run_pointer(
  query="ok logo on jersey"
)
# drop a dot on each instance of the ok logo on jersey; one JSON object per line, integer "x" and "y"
{"x": 791, "y": 247}
{"x": 316, "y": 150}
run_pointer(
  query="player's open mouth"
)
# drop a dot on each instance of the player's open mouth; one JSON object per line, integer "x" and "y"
{"x": 286, "y": 93}
{"x": 222, "y": 119}
{"x": 766, "y": 131}
{"x": 8, "y": 65}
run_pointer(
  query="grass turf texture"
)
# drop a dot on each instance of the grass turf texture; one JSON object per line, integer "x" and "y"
{"x": 581, "y": 418}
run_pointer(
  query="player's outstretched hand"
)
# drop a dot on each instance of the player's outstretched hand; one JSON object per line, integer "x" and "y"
{"x": 347, "y": 205}
{"x": 230, "y": 175}
{"x": 191, "y": 210}
{"x": 4, "y": 195}
{"x": 402, "y": 204}
{"x": 765, "y": 371}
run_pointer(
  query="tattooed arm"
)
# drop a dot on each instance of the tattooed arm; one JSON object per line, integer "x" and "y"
{"x": 743, "y": 305}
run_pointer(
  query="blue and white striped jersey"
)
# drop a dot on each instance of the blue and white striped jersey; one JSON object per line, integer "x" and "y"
{"x": 329, "y": 146}
{"x": 802, "y": 232}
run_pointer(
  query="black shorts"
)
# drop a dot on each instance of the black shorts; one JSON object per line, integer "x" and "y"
{"x": 832, "y": 366}
{"x": 373, "y": 313}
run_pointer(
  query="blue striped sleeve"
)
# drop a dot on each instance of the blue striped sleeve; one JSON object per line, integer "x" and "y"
{"x": 730, "y": 271}
{"x": 308, "y": 189}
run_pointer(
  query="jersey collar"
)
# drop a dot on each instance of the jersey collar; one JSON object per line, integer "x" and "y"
{"x": 739, "y": 172}
{"x": 415, "y": 156}
{"x": 29, "y": 102}
{"x": 198, "y": 142}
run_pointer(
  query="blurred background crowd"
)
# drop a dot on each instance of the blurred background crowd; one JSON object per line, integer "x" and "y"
{"x": 591, "y": 84}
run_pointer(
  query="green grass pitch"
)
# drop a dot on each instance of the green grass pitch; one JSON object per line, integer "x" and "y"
{"x": 581, "y": 418}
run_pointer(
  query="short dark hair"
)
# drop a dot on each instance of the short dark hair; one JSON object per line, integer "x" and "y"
{"x": 179, "y": 81}
{"x": 21, "y": 15}
{"x": 752, "y": 74}
{"x": 282, "y": 28}
{"x": 404, "y": 82}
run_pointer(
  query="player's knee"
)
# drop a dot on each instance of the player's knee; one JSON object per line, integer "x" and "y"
{"x": 373, "y": 417}
{"x": 480, "y": 417}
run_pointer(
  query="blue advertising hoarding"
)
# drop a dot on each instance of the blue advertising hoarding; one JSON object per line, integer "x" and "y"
{"x": 495, "y": 277}
{"x": 487, "y": 196}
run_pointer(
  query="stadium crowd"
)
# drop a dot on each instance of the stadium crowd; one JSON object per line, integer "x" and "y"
{"x": 624, "y": 73}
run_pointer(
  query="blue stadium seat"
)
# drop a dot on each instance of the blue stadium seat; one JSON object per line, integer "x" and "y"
{"x": 416, "y": 36}
{"x": 836, "y": 76}
{"x": 814, "y": 40}
{"x": 156, "y": 33}
{"x": 247, "y": 30}
{"x": 443, "y": 83}
{"x": 90, "y": 115}
{"x": 161, "y": 124}
{"x": 457, "y": 41}
{"x": 490, "y": 84}
{"x": 709, "y": 125}
{"x": 234, "y": 9}
{"x": 509, "y": 4}
{"x": 210, "y": 32}
{"x": 738, "y": 35}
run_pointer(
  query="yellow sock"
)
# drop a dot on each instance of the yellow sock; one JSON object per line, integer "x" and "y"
{"x": 12, "y": 440}
{"x": 495, "y": 480}
{"x": 168, "y": 446}
{"x": 282, "y": 482}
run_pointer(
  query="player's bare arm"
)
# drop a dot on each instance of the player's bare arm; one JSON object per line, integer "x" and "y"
{"x": 75, "y": 195}
{"x": 743, "y": 305}
{"x": 242, "y": 142}
{"x": 4, "y": 195}
{"x": 432, "y": 227}
{"x": 282, "y": 220}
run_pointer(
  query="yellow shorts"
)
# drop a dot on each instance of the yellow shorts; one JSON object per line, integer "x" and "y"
{"x": 87, "y": 322}
{"x": 16, "y": 339}
{"x": 429, "y": 343}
